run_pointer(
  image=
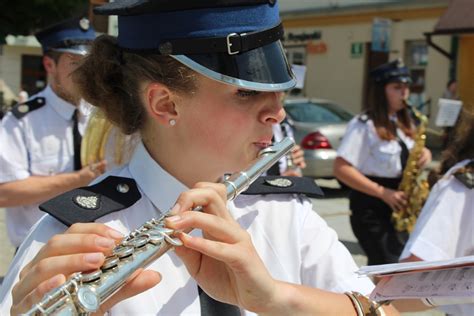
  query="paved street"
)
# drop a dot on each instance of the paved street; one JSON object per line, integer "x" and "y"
{"x": 334, "y": 208}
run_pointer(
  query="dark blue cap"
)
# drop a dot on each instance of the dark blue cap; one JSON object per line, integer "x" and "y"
{"x": 394, "y": 71}
{"x": 233, "y": 41}
{"x": 71, "y": 36}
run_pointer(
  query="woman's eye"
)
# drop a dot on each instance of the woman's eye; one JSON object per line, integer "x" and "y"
{"x": 247, "y": 93}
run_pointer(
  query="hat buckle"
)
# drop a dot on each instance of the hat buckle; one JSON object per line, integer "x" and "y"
{"x": 229, "y": 43}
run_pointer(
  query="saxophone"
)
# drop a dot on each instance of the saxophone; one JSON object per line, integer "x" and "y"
{"x": 83, "y": 293}
{"x": 413, "y": 185}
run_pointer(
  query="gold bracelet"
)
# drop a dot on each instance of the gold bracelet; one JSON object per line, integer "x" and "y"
{"x": 355, "y": 303}
{"x": 365, "y": 306}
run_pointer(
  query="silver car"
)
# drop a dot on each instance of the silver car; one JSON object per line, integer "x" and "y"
{"x": 318, "y": 127}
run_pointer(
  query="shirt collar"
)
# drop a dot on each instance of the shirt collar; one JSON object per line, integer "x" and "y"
{"x": 62, "y": 107}
{"x": 158, "y": 185}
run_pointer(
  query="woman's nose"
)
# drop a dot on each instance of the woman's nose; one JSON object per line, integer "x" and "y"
{"x": 274, "y": 112}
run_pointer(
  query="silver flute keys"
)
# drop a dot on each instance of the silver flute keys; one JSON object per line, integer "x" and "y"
{"x": 83, "y": 293}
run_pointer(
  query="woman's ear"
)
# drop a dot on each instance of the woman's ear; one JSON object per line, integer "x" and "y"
{"x": 159, "y": 103}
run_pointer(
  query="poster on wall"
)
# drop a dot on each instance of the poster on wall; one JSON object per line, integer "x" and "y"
{"x": 381, "y": 29}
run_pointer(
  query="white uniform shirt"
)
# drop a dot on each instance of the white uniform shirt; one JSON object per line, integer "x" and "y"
{"x": 367, "y": 152}
{"x": 445, "y": 227}
{"x": 295, "y": 244}
{"x": 39, "y": 144}
{"x": 277, "y": 137}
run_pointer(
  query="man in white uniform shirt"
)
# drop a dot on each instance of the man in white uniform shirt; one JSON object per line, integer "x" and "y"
{"x": 40, "y": 138}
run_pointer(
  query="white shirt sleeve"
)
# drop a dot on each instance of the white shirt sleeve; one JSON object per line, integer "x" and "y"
{"x": 444, "y": 229}
{"x": 14, "y": 164}
{"x": 354, "y": 144}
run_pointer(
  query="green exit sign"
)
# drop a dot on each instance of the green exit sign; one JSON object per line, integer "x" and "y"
{"x": 357, "y": 49}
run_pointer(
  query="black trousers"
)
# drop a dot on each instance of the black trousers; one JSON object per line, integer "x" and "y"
{"x": 372, "y": 225}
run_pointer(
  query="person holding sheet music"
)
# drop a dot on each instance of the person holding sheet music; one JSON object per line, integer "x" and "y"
{"x": 445, "y": 227}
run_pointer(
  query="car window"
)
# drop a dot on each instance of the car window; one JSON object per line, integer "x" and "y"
{"x": 310, "y": 112}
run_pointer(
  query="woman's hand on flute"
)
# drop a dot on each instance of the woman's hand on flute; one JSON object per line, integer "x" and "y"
{"x": 224, "y": 261}
{"x": 82, "y": 247}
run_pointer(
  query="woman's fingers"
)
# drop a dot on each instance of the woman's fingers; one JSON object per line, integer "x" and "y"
{"x": 37, "y": 294}
{"x": 50, "y": 267}
{"x": 139, "y": 282}
{"x": 94, "y": 228}
{"x": 190, "y": 257}
{"x": 214, "y": 226}
{"x": 399, "y": 201}
{"x": 215, "y": 249}
{"x": 425, "y": 157}
{"x": 211, "y": 196}
{"x": 67, "y": 244}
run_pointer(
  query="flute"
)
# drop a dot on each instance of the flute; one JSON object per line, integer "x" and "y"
{"x": 83, "y": 293}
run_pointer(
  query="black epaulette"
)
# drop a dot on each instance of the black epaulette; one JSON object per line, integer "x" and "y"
{"x": 363, "y": 117}
{"x": 282, "y": 185}
{"x": 21, "y": 109}
{"x": 466, "y": 177}
{"x": 87, "y": 204}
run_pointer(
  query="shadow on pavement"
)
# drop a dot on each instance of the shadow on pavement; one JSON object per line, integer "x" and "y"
{"x": 331, "y": 193}
{"x": 353, "y": 247}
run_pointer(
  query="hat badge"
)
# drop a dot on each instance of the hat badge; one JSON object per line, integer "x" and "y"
{"x": 87, "y": 202}
{"x": 84, "y": 24}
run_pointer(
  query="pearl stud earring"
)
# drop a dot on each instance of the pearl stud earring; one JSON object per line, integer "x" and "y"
{"x": 172, "y": 122}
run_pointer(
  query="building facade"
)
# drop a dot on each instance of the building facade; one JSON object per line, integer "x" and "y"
{"x": 339, "y": 43}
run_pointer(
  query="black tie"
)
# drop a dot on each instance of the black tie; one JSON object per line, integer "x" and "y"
{"x": 404, "y": 153}
{"x": 77, "y": 138}
{"x": 211, "y": 307}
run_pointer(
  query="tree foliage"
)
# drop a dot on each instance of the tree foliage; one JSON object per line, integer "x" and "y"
{"x": 25, "y": 17}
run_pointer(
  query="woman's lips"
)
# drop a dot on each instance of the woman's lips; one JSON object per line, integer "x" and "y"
{"x": 262, "y": 145}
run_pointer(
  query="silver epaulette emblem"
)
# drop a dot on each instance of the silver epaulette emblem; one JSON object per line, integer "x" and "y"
{"x": 87, "y": 202}
{"x": 24, "y": 108}
{"x": 279, "y": 182}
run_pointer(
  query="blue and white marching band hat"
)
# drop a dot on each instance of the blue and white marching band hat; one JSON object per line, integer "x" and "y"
{"x": 70, "y": 36}
{"x": 233, "y": 41}
{"x": 394, "y": 71}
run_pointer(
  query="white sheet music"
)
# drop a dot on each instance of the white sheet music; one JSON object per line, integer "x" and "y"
{"x": 448, "y": 112}
{"x": 449, "y": 283}
{"x": 394, "y": 268}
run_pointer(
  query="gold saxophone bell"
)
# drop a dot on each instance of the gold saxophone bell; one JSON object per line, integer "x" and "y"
{"x": 104, "y": 141}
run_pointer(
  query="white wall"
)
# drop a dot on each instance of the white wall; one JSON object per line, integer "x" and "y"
{"x": 10, "y": 64}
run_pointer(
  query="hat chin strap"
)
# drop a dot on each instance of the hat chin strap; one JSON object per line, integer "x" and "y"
{"x": 232, "y": 44}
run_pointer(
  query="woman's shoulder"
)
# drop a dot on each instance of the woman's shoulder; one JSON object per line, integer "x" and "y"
{"x": 361, "y": 125}
{"x": 113, "y": 192}
{"x": 362, "y": 121}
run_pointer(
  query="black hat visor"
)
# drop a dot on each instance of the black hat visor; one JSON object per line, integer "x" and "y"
{"x": 262, "y": 69}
